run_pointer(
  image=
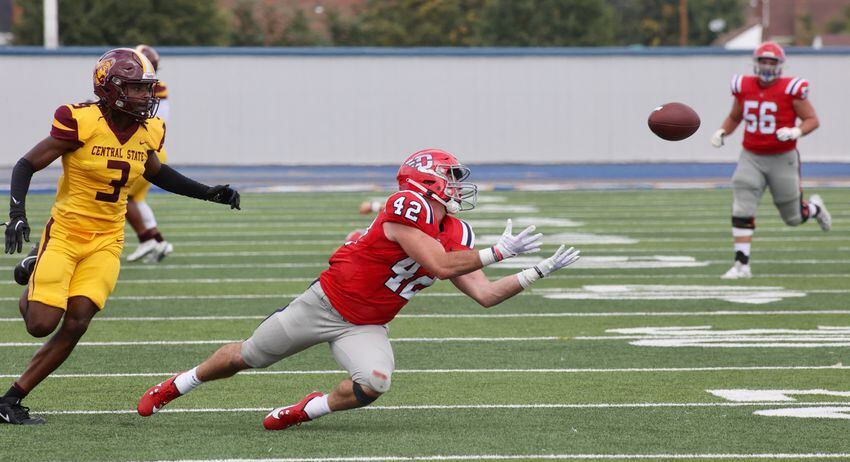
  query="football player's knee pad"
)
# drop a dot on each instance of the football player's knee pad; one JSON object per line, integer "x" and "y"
{"x": 361, "y": 395}
{"x": 791, "y": 212}
{"x": 378, "y": 380}
{"x": 744, "y": 222}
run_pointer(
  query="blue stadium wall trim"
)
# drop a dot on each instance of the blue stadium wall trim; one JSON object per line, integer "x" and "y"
{"x": 423, "y": 51}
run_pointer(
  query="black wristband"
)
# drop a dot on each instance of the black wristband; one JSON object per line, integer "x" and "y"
{"x": 171, "y": 180}
{"x": 21, "y": 177}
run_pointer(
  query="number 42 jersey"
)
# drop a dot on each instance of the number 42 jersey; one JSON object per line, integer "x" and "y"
{"x": 371, "y": 279}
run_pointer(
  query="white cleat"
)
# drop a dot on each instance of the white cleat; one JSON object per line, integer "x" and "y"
{"x": 162, "y": 250}
{"x": 143, "y": 249}
{"x": 738, "y": 271}
{"x": 824, "y": 218}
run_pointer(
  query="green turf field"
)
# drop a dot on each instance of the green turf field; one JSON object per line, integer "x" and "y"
{"x": 610, "y": 359}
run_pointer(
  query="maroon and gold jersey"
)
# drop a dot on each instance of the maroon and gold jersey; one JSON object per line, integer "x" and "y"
{"x": 767, "y": 109}
{"x": 371, "y": 279}
{"x": 91, "y": 195}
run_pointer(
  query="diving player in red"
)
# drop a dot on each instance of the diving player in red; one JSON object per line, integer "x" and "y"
{"x": 770, "y": 106}
{"x": 415, "y": 240}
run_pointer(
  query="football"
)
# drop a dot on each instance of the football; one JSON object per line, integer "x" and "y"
{"x": 673, "y": 121}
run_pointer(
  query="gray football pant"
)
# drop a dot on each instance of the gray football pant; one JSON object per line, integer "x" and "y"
{"x": 780, "y": 173}
{"x": 362, "y": 350}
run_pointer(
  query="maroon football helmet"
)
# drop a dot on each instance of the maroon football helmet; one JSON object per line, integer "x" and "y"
{"x": 439, "y": 175}
{"x": 151, "y": 54}
{"x": 124, "y": 80}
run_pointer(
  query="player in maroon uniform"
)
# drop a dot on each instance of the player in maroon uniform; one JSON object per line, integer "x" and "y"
{"x": 770, "y": 106}
{"x": 411, "y": 243}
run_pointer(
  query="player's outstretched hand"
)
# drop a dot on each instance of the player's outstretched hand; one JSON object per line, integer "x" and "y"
{"x": 511, "y": 245}
{"x": 562, "y": 258}
{"x": 17, "y": 231}
{"x": 224, "y": 194}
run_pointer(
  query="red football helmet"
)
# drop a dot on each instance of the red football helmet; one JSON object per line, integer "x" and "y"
{"x": 124, "y": 80}
{"x": 151, "y": 54}
{"x": 438, "y": 175}
{"x": 767, "y": 61}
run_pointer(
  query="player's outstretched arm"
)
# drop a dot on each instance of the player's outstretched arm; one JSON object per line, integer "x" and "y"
{"x": 426, "y": 251}
{"x": 729, "y": 124}
{"x": 490, "y": 293}
{"x": 40, "y": 156}
{"x": 171, "y": 180}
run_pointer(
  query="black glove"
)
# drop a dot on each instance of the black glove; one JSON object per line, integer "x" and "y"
{"x": 17, "y": 231}
{"x": 223, "y": 194}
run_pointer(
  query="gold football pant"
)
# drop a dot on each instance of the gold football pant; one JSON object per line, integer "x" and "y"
{"x": 71, "y": 264}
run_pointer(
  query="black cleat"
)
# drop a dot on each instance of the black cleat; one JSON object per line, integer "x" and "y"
{"x": 11, "y": 412}
{"x": 24, "y": 268}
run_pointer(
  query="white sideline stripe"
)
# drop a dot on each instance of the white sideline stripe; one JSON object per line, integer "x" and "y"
{"x": 449, "y": 407}
{"x": 220, "y": 342}
{"x": 559, "y": 277}
{"x": 487, "y": 316}
{"x": 469, "y": 371}
{"x": 272, "y": 296}
{"x": 808, "y": 455}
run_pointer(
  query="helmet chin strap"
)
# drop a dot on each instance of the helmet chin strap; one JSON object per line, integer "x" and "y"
{"x": 452, "y": 207}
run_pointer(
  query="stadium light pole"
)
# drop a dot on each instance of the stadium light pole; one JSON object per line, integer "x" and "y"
{"x": 683, "y": 23}
{"x": 51, "y": 24}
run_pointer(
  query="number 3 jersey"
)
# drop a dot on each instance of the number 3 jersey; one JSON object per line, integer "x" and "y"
{"x": 767, "y": 109}
{"x": 369, "y": 280}
{"x": 91, "y": 195}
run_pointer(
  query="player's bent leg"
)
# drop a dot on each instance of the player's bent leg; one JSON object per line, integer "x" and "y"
{"x": 794, "y": 212}
{"x": 41, "y": 319}
{"x": 49, "y": 357}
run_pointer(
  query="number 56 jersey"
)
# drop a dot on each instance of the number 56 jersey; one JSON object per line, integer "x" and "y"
{"x": 767, "y": 109}
{"x": 371, "y": 279}
{"x": 91, "y": 194}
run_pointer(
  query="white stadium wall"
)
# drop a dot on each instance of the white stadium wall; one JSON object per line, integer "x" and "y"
{"x": 372, "y": 107}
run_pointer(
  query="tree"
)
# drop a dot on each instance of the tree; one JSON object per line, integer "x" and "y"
{"x": 547, "y": 23}
{"x": 114, "y": 22}
{"x": 656, "y": 22}
{"x": 408, "y": 23}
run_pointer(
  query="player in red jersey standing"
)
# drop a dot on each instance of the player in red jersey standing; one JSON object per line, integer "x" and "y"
{"x": 770, "y": 106}
{"x": 411, "y": 243}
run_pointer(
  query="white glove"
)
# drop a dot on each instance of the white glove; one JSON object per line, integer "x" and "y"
{"x": 717, "y": 138}
{"x": 510, "y": 245}
{"x": 560, "y": 259}
{"x": 788, "y": 133}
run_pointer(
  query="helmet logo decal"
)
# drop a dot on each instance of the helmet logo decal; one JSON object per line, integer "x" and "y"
{"x": 102, "y": 69}
{"x": 423, "y": 162}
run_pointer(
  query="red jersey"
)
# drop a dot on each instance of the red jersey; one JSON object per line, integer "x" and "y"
{"x": 371, "y": 279}
{"x": 767, "y": 109}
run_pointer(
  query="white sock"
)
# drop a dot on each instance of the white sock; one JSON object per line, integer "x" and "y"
{"x": 813, "y": 210}
{"x": 317, "y": 407}
{"x": 187, "y": 381}
{"x": 743, "y": 247}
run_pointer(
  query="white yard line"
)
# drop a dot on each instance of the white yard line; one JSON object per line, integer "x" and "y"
{"x": 465, "y": 457}
{"x": 452, "y": 407}
{"x": 287, "y": 296}
{"x": 221, "y": 342}
{"x": 490, "y": 316}
{"x": 629, "y": 370}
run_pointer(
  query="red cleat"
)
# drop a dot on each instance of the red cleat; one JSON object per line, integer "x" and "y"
{"x": 157, "y": 397}
{"x": 285, "y": 417}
